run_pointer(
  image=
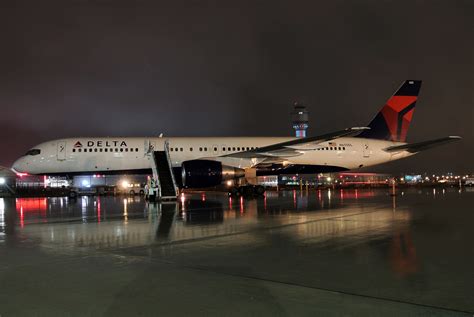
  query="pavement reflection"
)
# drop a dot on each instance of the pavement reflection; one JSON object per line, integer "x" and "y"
{"x": 102, "y": 222}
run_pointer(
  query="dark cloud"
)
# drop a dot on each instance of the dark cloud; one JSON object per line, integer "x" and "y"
{"x": 215, "y": 68}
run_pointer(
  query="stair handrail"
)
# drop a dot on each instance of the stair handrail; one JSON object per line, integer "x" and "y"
{"x": 154, "y": 168}
{"x": 167, "y": 152}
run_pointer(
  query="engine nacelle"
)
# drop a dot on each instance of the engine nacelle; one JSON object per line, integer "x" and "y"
{"x": 207, "y": 173}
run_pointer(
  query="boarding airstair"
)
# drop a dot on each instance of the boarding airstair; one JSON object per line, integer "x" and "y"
{"x": 163, "y": 174}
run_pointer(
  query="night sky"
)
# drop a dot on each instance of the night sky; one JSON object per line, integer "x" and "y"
{"x": 233, "y": 68}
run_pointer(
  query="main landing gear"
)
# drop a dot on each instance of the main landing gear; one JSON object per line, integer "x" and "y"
{"x": 247, "y": 190}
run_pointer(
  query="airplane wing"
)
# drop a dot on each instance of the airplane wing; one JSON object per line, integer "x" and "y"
{"x": 421, "y": 146}
{"x": 294, "y": 147}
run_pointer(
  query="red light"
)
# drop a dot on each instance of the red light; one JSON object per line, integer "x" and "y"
{"x": 21, "y": 174}
{"x": 30, "y": 206}
{"x": 22, "y": 218}
{"x": 98, "y": 209}
{"x": 294, "y": 198}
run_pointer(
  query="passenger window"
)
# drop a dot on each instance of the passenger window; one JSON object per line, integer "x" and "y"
{"x": 100, "y": 150}
{"x": 200, "y": 149}
{"x": 126, "y": 149}
{"x": 79, "y": 150}
{"x": 223, "y": 149}
{"x": 343, "y": 148}
{"x": 327, "y": 148}
{"x": 229, "y": 149}
{"x": 95, "y": 150}
{"x": 205, "y": 149}
{"x": 116, "y": 149}
{"x": 233, "y": 149}
{"x": 181, "y": 149}
{"x": 190, "y": 149}
{"x": 215, "y": 149}
{"x": 106, "y": 150}
{"x": 121, "y": 149}
{"x": 238, "y": 148}
{"x": 74, "y": 150}
{"x": 90, "y": 150}
{"x": 248, "y": 148}
{"x": 136, "y": 149}
{"x": 171, "y": 149}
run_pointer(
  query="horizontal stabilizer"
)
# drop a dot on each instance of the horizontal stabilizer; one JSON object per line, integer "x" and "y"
{"x": 421, "y": 146}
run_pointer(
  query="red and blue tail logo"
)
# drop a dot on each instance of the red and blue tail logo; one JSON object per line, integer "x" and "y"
{"x": 392, "y": 122}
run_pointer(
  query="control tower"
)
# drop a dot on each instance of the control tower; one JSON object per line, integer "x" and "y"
{"x": 300, "y": 119}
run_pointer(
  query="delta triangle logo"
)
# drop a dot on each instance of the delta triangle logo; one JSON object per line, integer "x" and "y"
{"x": 78, "y": 144}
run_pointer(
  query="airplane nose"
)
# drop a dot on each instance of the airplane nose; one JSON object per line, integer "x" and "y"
{"x": 19, "y": 166}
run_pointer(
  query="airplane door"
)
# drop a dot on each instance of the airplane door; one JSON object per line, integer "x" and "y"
{"x": 61, "y": 151}
{"x": 366, "y": 150}
{"x": 150, "y": 146}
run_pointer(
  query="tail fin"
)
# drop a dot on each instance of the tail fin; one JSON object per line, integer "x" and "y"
{"x": 393, "y": 120}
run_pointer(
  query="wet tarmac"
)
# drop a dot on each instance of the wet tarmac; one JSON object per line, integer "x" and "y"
{"x": 330, "y": 253}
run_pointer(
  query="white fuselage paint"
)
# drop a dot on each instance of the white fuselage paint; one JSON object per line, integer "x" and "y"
{"x": 128, "y": 154}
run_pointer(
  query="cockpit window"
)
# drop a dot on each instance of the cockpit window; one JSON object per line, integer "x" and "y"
{"x": 33, "y": 152}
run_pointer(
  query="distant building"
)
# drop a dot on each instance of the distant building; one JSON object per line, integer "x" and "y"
{"x": 300, "y": 120}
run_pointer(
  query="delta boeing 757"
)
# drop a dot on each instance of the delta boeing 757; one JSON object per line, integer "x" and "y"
{"x": 208, "y": 161}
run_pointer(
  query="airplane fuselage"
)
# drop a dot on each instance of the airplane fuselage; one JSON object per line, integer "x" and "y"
{"x": 130, "y": 154}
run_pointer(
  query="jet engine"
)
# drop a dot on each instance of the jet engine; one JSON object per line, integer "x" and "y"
{"x": 207, "y": 173}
